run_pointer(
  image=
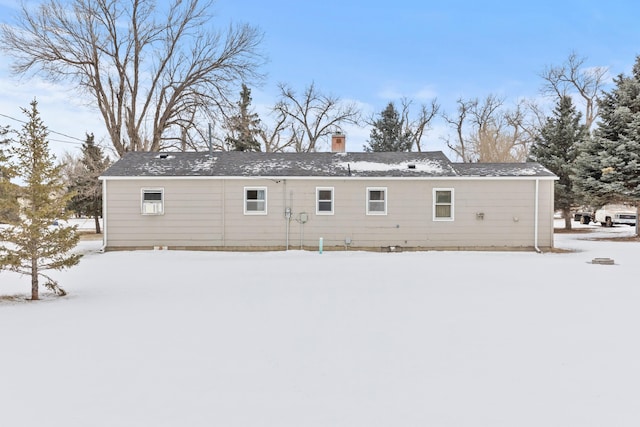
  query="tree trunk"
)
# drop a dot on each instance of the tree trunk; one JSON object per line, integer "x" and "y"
{"x": 566, "y": 213}
{"x": 34, "y": 279}
{"x": 97, "y": 218}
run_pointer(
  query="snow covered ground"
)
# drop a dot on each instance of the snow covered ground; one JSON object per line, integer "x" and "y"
{"x": 171, "y": 338}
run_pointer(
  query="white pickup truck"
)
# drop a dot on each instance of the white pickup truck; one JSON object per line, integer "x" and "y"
{"x": 608, "y": 215}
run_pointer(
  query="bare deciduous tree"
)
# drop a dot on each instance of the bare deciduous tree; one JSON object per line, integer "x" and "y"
{"x": 149, "y": 68}
{"x": 275, "y": 138}
{"x": 459, "y": 145}
{"x": 206, "y": 135}
{"x": 418, "y": 126}
{"x": 313, "y": 116}
{"x": 486, "y": 132}
{"x": 572, "y": 76}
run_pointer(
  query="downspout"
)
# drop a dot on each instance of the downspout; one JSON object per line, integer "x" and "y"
{"x": 536, "y": 217}
{"x": 104, "y": 215}
{"x": 224, "y": 216}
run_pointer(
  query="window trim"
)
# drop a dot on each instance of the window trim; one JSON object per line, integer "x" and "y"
{"x": 386, "y": 199}
{"x": 244, "y": 197}
{"x": 332, "y": 200}
{"x": 436, "y": 204}
{"x": 144, "y": 191}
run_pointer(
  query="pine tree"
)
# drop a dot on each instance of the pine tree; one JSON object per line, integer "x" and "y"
{"x": 34, "y": 245}
{"x": 388, "y": 134}
{"x": 4, "y": 143}
{"x": 608, "y": 166}
{"x": 5, "y": 168}
{"x": 556, "y": 148}
{"x": 86, "y": 187}
{"x": 8, "y": 194}
{"x": 244, "y": 126}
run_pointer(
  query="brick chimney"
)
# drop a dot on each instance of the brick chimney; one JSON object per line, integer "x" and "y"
{"x": 338, "y": 144}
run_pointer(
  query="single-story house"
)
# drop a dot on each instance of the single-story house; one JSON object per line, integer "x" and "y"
{"x": 388, "y": 201}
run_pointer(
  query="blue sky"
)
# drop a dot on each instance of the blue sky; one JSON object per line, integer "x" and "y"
{"x": 374, "y": 52}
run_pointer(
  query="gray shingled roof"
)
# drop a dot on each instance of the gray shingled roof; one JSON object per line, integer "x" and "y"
{"x": 502, "y": 169}
{"x": 239, "y": 164}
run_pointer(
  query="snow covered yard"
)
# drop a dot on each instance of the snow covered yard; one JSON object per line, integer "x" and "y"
{"x": 170, "y": 338}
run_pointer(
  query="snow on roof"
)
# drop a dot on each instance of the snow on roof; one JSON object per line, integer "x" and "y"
{"x": 417, "y": 167}
{"x": 502, "y": 169}
{"x": 378, "y": 164}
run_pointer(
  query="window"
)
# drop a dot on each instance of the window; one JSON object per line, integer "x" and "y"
{"x": 255, "y": 201}
{"x": 443, "y": 204}
{"x": 152, "y": 201}
{"x": 376, "y": 201}
{"x": 324, "y": 197}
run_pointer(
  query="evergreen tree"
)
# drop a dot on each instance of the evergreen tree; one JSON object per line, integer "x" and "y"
{"x": 556, "y": 148}
{"x": 4, "y": 143}
{"x": 34, "y": 244}
{"x": 388, "y": 132}
{"x": 608, "y": 166}
{"x": 86, "y": 187}
{"x": 5, "y": 167}
{"x": 244, "y": 126}
{"x": 8, "y": 193}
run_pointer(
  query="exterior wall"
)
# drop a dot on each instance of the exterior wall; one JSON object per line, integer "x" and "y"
{"x": 209, "y": 214}
{"x": 191, "y": 214}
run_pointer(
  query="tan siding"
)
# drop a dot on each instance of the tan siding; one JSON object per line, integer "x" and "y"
{"x": 191, "y": 214}
{"x": 210, "y": 213}
{"x": 253, "y": 229}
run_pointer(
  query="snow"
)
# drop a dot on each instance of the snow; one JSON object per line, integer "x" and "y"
{"x": 177, "y": 338}
{"x": 418, "y": 166}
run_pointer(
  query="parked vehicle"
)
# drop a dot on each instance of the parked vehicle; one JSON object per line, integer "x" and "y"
{"x": 608, "y": 215}
{"x": 584, "y": 215}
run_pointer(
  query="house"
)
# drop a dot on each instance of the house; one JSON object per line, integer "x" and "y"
{"x": 334, "y": 200}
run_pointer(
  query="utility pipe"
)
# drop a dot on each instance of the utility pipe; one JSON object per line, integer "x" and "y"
{"x": 287, "y": 213}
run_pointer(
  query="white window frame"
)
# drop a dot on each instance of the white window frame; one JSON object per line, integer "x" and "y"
{"x": 318, "y": 200}
{"x": 246, "y": 201}
{"x": 436, "y": 204}
{"x": 151, "y": 207}
{"x": 386, "y": 197}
